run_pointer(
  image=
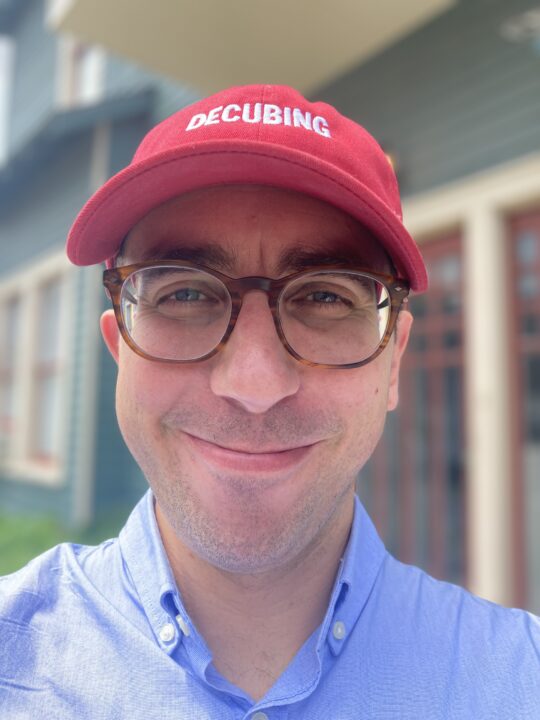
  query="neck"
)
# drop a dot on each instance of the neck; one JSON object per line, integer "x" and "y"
{"x": 254, "y": 624}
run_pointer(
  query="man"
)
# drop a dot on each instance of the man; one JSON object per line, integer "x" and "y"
{"x": 258, "y": 270}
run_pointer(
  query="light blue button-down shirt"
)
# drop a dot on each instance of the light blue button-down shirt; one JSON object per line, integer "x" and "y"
{"x": 102, "y": 634}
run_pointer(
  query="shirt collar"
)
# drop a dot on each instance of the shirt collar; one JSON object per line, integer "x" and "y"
{"x": 151, "y": 574}
{"x": 359, "y": 567}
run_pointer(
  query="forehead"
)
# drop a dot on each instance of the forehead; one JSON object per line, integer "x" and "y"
{"x": 233, "y": 227}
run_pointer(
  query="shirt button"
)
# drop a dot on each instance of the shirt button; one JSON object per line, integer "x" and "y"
{"x": 338, "y": 631}
{"x": 183, "y": 625}
{"x": 259, "y": 716}
{"x": 167, "y": 633}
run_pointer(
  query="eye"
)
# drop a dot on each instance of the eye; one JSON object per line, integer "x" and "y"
{"x": 325, "y": 297}
{"x": 184, "y": 295}
{"x": 316, "y": 296}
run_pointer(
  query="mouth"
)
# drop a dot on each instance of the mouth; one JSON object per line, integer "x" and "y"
{"x": 249, "y": 459}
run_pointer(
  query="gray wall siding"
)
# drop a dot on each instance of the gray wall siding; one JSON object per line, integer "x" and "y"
{"x": 172, "y": 97}
{"x": 33, "y": 93}
{"x": 40, "y": 214}
{"x": 450, "y": 99}
{"x": 125, "y": 136}
{"x": 124, "y": 77}
{"x": 119, "y": 483}
{"x": 24, "y": 498}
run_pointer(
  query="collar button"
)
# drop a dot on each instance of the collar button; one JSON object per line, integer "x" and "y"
{"x": 184, "y": 627}
{"x": 339, "y": 631}
{"x": 167, "y": 633}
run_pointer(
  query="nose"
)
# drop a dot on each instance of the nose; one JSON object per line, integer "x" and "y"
{"x": 254, "y": 370}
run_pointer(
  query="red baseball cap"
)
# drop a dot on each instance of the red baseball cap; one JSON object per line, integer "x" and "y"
{"x": 257, "y": 134}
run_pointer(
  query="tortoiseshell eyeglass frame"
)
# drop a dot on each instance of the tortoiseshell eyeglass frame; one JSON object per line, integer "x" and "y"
{"x": 114, "y": 279}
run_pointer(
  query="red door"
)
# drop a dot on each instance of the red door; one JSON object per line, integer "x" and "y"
{"x": 414, "y": 485}
{"x": 524, "y": 235}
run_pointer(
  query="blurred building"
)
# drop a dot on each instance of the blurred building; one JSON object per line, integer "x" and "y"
{"x": 70, "y": 116}
{"x": 452, "y": 91}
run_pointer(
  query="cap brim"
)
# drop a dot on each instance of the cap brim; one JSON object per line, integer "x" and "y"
{"x": 127, "y": 197}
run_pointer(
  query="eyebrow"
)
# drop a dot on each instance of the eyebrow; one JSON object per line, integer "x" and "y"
{"x": 290, "y": 261}
{"x": 295, "y": 260}
{"x": 209, "y": 255}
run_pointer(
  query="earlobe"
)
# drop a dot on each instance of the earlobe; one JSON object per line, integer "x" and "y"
{"x": 110, "y": 332}
{"x": 403, "y": 329}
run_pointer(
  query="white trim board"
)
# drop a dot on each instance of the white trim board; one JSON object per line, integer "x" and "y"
{"x": 18, "y": 462}
{"x": 479, "y": 205}
{"x": 506, "y": 188}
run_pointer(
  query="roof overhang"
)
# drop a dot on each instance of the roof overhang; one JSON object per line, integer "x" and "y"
{"x": 40, "y": 150}
{"x": 212, "y": 44}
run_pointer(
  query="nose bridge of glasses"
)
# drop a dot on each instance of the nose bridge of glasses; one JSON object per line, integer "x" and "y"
{"x": 241, "y": 286}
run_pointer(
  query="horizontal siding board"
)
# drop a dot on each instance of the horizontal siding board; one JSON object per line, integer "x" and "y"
{"x": 450, "y": 99}
{"x": 24, "y": 499}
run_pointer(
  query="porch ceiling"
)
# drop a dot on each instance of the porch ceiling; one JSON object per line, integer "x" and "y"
{"x": 211, "y": 44}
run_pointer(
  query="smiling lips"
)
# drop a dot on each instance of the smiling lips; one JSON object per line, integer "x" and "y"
{"x": 250, "y": 461}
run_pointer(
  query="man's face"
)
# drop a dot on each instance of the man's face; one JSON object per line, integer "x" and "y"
{"x": 251, "y": 455}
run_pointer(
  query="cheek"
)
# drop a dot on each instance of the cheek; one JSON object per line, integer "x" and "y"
{"x": 146, "y": 390}
{"x": 359, "y": 397}
{"x": 365, "y": 387}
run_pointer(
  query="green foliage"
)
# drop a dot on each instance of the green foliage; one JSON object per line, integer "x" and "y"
{"x": 22, "y": 538}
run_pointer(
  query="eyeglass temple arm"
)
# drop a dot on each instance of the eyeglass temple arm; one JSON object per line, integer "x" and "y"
{"x": 130, "y": 297}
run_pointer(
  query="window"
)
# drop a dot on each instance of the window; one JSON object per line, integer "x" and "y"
{"x": 10, "y": 324}
{"x": 47, "y": 372}
{"x": 525, "y": 254}
{"x": 86, "y": 73}
{"x": 6, "y": 74}
{"x": 81, "y": 71}
{"x": 34, "y": 342}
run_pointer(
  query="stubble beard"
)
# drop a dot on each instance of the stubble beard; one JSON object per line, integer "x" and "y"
{"x": 252, "y": 539}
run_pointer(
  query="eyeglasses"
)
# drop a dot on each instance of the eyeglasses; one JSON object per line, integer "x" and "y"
{"x": 173, "y": 311}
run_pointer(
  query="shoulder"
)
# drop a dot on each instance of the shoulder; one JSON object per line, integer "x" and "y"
{"x": 44, "y": 605}
{"x": 449, "y": 620}
{"x": 415, "y": 591}
{"x": 42, "y": 583}
{"x": 39, "y": 575}
{"x": 425, "y": 648}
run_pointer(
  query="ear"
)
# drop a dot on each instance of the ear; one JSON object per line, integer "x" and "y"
{"x": 403, "y": 329}
{"x": 110, "y": 332}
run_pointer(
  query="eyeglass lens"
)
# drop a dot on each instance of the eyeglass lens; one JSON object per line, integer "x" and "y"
{"x": 327, "y": 317}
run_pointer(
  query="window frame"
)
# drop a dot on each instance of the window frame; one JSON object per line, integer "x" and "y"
{"x": 525, "y": 347}
{"x": 18, "y": 461}
{"x": 68, "y": 95}
{"x": 7, "y": 64}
